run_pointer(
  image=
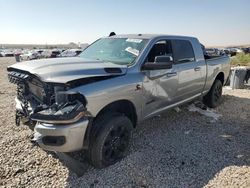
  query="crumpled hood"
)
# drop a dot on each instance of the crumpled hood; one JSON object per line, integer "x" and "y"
{"x": 63, "y": 70}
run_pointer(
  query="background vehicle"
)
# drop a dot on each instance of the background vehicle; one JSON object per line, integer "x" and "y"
{"x": 39, "y": 53}
{"x": 29, "y": 55}
{"x": 234, "y": 51}
{"x": 55, "y": 53}
{"x": 1, "y": 53}
{"x": 246, "y": 50}
{"x": 227, "y": 52}
{"x": 93, "y": 101}
{"x": 7, "y": 53}
{"x": 70, "y": 53}
{"x": 45, "y": 54}
{"x": 212, "y": 51}
{"x": 50, "y": 53}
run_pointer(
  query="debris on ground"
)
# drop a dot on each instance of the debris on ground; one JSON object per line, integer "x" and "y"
{"x": 177, "y": 109}
{"x": 205, "y": 111}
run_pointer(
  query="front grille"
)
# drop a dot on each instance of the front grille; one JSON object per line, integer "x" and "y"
{"x": 31, "y": 88}
{"x": 27, "y": 85}
{"x": 17, "y": 77}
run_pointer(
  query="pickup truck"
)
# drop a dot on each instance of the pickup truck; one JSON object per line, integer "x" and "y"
{"x": 93, "y": 101}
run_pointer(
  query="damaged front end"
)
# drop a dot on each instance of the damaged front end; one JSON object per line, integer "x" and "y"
{"x": 43, "y": 102}
{"x": 58, "y": 116}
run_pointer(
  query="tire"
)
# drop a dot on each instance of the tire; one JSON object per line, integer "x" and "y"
{"x": 111, "y": 142}
{"x": 214, "y": 96}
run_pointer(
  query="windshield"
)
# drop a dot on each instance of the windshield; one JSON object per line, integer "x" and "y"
{"x": 116, "y": 50}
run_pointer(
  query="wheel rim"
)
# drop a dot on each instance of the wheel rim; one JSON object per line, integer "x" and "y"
{"x": 217, "y": 93}
{"x": 116, "y": 144}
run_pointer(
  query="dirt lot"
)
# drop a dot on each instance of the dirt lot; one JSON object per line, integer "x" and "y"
{"x": 178, "y": 149}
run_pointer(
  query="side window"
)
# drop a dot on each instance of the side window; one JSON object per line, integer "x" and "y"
{"x": 159, "y": 49}
{"x": 183, "y": 51}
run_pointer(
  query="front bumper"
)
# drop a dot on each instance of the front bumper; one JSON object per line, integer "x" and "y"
{"x": 61, "y": 138}
{"x": 54, "y": 137}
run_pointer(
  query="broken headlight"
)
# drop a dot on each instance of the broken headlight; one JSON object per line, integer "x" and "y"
{"x": 65, "y": 113}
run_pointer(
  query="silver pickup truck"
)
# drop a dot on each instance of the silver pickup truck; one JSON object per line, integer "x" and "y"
{"x": 94, "y": 101}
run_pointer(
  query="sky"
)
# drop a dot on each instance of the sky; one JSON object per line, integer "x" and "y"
{"x": 213, "y": 22}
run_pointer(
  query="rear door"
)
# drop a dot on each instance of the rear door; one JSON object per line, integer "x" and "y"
{"x": 191, "y": 71}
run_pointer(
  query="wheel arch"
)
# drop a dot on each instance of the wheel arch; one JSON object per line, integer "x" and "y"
{"x": 220, "y": 77}
{"x": 123, "y": 106}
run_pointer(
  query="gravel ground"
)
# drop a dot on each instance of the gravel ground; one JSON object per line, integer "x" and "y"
{"x": 177, "y": 149}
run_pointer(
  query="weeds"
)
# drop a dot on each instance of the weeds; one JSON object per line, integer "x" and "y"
{"x": 241, "y": 59}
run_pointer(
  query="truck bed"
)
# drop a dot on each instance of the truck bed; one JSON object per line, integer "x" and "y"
{"x": 215, "y": 65}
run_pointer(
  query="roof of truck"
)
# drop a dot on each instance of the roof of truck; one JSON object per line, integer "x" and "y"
{"x": 148, "y": 36}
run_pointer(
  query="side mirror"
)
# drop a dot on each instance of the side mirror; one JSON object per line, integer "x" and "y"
{"x": 161, "y": 62}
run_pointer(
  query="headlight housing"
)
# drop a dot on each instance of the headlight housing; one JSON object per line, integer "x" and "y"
{"x": 65, "y": 113}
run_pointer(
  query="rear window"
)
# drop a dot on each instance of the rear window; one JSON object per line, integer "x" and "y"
{"x": 183, "y": 51}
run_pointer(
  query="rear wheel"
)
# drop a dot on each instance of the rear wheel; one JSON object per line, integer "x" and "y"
{"x": 214, "y": 96}
{"x": 111, "y": 142}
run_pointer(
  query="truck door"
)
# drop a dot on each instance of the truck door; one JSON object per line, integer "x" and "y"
{"x": 159, "y": 86}
{"x": 191, "y": 71}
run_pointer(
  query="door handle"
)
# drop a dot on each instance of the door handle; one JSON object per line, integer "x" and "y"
{"x": 197, "y": 69}
{"x": 171, "y": 74}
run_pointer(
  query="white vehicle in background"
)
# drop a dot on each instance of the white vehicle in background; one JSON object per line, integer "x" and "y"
{"x": 212, "y": 51}
{"x": 1, "y": 53}
{"x": 7, "y": 53}
{"x": 238, "y": 50}
{"x": 51, "y": 53}
{"x": 70, "y": 53}
{"x": 28, "y": 55}
{"x": 39, "y": 53}
{"x": 235, "y": 51}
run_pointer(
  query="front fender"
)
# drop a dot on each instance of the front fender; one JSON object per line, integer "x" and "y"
{"x": 101, "y": 93}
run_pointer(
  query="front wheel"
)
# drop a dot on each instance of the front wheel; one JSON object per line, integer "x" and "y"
{"x": 112, "y": 140}
{"x": 214, "y": 96}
